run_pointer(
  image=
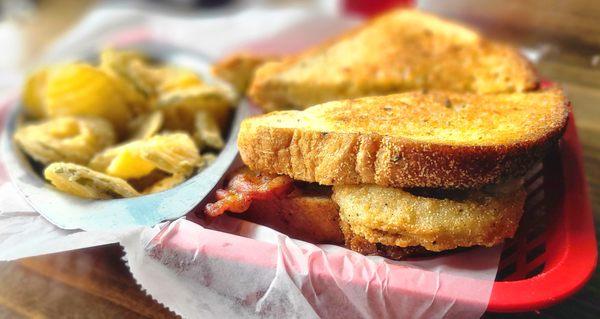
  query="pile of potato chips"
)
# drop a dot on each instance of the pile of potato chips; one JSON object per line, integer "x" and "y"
{"x": 126, "y": 127}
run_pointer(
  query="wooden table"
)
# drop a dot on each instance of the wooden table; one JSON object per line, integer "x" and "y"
{"x": 95, "y": 282}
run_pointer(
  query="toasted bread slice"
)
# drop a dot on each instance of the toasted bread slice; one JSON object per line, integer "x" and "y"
{"x": 438, "y": 139}
{"x": 238, "y": 69}
{"x": 400, "y": 51}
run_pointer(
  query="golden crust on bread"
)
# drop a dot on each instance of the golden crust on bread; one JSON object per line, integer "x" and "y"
{"x": 395, "y": 217}
{"x": 414, "y": 139}
{"x": 238, "y": 69}
{"x": 400, "y": 51}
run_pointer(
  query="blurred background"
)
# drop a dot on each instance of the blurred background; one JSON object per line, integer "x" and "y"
{"x": 565, "y": 33}
{"x": 562, "y": 36}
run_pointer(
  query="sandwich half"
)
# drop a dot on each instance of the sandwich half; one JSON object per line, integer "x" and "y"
{"x": 396, "y": 175}
{"x": 400, "y": 51}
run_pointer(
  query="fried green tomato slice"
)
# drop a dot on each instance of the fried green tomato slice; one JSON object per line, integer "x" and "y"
{"x": 396, "y": 217}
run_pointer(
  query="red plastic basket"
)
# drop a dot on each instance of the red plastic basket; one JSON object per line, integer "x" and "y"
{"x": 554, "y": 252}
{"x": 551, "y": 257}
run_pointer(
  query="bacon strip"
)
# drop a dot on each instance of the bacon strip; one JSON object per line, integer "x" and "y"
{"x": 246, "y": 186}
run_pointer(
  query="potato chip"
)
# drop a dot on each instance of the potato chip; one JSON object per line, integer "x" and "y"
{"x": 156, "y": 80}
{"x": 127, "y": 96}
{"x": 165, "y": 184}
{"x": 144, "y": 182}
{"x": 80, "y": 89}
{"x": 116, "y": 64}
{"x": 208, "y": 158}
{"x": 34, "y": 94}
{"x": 177, "y": 79}
{"x": 81, "y": 181}
{"x": 180, "y": 107}
{"x": 145, "y": 125}
{"x": 174, "y": 153}
{"x": 207, "y": 131}
{"x": 130, "y": 164}
{"x": 119, "y": 60}
{"x": 123, "y": 161}
{"x": 176, "y": 179}
{"x": 141, "y": 75}
{"x": 102, "y": 160}
{"x": 65, "y": 139}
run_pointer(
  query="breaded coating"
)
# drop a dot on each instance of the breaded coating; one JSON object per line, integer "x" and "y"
{"x": 361, "y": 245}
{"x": 395, "y": 217}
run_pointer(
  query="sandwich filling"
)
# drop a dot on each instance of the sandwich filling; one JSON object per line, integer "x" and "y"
{"x": 387, "y": 221}
{"x": 396, "y": 217}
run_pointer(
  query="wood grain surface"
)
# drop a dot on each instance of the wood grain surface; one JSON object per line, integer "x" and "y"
{"x": 95, "y": 283}
{"x": 90, "y": 283}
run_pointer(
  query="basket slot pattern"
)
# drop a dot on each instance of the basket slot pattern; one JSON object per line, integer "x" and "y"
{"x": 524, "y": 255}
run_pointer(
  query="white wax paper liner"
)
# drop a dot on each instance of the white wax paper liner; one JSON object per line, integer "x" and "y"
{"x": 201, "y": 272}
{"x": 204, "y": 272}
